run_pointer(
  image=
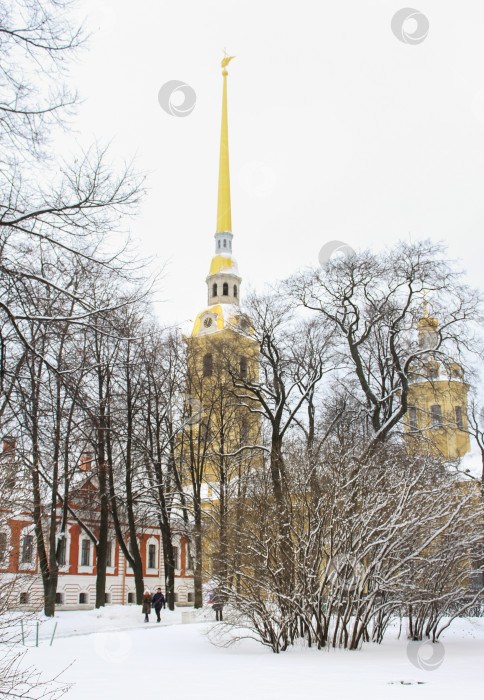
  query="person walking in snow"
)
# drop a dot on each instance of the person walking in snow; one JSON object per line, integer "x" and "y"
{"x": 147, "y": 606}
{"x": 158, "y": 603}
{"x": 218, "y": 606}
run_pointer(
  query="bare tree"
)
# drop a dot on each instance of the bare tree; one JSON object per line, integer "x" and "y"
{"x": 164, "y": 371}
{"x": 407, "y": 548}
{"x": 38, "y": 38}
{"x": 44, "y": 403}
{"x": 65, "y": 209}
{"x": 373, "y": 302}
{"x": 293, "y": 356}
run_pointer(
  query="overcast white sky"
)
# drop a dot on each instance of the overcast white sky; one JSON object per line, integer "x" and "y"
{"x": 337, "y": 130}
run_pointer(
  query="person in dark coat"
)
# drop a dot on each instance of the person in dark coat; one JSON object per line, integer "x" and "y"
{"x": 218, "y": 606}
{"x": 147, "y": 606}
{"x": 158, "y": 603}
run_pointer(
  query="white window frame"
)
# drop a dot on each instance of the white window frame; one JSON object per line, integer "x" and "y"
{"x": 177, "y": 545}
{"x": 86, "y": 568}
{"x": 5, "y": 562}
{"x": 152, "y": 541}
{"x": 28, "y": 566}
{"x": 111, "y": 569}
{"x": 67, "y": 537}
{"x": 188, "y": 559}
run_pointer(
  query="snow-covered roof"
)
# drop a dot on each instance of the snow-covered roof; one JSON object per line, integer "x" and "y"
{"x": 471, "y": 462}
{"x": 223, "y": 264}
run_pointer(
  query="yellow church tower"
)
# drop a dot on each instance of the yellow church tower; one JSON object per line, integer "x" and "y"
{"x": 221, "y": 347}
{"x": 223, "y": 280}
{"x": 222, "y": 354}
{"x": 437, "y": 399}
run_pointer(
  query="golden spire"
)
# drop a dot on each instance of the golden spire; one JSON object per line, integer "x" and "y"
{"x": 224, "y": 214}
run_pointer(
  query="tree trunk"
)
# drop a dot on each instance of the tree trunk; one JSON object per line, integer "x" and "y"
{"x": 101, "y": 554}
{"x": 50, "y": 590}
{"x": 197, "y": 578}
{"x": 280, "y": 497}
{"x": 169, "y": 563}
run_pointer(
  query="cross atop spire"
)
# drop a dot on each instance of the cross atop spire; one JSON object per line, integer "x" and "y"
{"x": 224, "y": 213}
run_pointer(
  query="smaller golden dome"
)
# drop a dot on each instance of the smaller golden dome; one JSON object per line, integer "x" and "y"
{"x": 427, "y": 322}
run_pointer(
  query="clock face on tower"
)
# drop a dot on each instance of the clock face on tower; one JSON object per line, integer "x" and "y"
{"x": 207, "y": 322}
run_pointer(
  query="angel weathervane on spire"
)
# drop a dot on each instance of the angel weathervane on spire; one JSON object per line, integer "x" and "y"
{"x": 225, "y": 62}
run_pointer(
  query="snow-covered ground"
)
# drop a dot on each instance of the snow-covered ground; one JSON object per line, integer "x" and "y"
{"x": 113, "y": 654}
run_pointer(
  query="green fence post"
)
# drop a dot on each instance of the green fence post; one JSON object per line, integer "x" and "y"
{"x": 53, "y": 633}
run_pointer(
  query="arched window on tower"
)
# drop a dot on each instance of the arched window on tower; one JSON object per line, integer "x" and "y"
{"x": 225, "y": 242}
{"x": 458, "y": 417}
{"x": 436, "y": 416}
{"x": 226, "y": 289}
{"x": 244, "y": 430}
{"x": 219, "y": 242}
{"x": 214, "y": 289}
{"x": 243, "y": 367}
{"x": 235, "y": 291}
{"x": 412, "y": 417}
{"x": 207, "y": 365}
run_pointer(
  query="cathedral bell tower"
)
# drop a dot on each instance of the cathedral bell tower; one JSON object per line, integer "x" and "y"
{"x": 223, "y": 280}
{"x": 221, "y": 349}
{"x": 437, "y": 399}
